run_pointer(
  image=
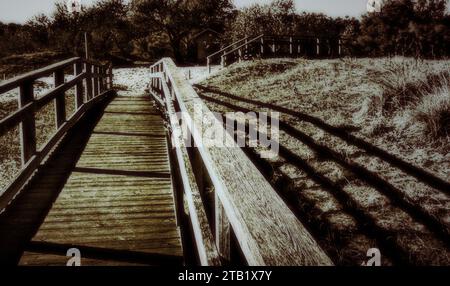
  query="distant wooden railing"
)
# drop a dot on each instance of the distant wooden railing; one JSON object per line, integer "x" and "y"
{"x": 271, "y": 46}
{"x": 244, "y": 203}
{"x": 224, "y": 50}
{"x": 91, "y": 81}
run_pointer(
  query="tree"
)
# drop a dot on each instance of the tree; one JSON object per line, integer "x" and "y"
{"x": 275, "y": 18}
{"x": 406, "y": 27}
{"x": 174, "y": 21}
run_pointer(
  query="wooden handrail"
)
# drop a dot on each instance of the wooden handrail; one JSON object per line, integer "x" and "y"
{"x": 207, "y": 250}
{"x": 243, "y": 45}
{"x": 267, "y": 231}
{"x": 228, "y": 47}
{"x": 98, "y": 82}
{"x": 33, "y": 75}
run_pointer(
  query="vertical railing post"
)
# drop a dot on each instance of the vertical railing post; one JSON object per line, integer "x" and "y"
{"x": 79, "y": 100}
{"x": 340, "y": 48}
{"x": 99, "y": 79}
{"x": 240, "y": 55}
{"x": 88, "y": 69}
{"x": 158, "y": 69}
{"x": 60, "y": 99}
{"x": 152, "y": 82}
{"x": 262, "y": 46}
{"x": 95, "y": 78}
{"x": 110, "y": 77}
{"x": 223, "y": 230}
{"x": 246, "y": 45}
{"x": 208, "y": 64}
{"x": 318, "y": 47}
{"x": 291, "y": 47}
{"x": 28, "y": 125}
{"x": 102, "y": 79}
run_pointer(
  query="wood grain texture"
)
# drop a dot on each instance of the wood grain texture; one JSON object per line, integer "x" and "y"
{"x": 119, "y": 196}
{"x": 267, "y": 231}
{"x": 206, "y": 249}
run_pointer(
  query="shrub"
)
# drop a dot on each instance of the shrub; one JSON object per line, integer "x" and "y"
{"x": 434, "y": 110}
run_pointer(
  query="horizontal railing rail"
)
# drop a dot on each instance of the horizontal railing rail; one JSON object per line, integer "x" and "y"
{"x": 270, "y": 45}
{"x": 244, "y": 206}
{"x": 243, "y": 45}
{"x": 92, "y": 83}
{"x": 222, "y": 51}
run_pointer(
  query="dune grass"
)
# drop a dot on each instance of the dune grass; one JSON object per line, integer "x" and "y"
{"x": 399, "y": 104}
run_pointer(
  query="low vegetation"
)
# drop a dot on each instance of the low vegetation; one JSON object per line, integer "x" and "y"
{"x": 397, "y": 104}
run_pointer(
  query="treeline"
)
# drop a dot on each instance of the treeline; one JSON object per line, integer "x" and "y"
{"x": 149, "y": 29}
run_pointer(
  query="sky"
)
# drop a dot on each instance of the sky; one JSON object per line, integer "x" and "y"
{"x": 19, "y": 11}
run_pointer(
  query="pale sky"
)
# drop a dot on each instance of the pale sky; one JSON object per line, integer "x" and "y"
{"x": 20, "y": 11}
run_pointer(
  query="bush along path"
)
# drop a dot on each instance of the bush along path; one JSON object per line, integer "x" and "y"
{"x": 332, "y": 185}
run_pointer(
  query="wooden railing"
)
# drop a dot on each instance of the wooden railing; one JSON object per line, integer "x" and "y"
{"x": 272, "y": 46}
{"x": 219, "y": 53}
{"x": 226, "y": 194}
{"x": 91, "y": 81}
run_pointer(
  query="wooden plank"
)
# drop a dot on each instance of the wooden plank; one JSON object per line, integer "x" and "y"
{"x": 52, "y": 94}
{"x": 79, "y": 100}
{"x": 95, "y": 79}
{"x": 15, "y": 118}
{"x": 27, "y": 171}
{"x": 267, "y": 231}
{"x": 33, "y": 75}
{"x": 207, "y": 251}
{"x": 44, "y": 259}
{"x": 88, "y": 71}
{"x": 28, "y": 126}
{"x": 60, "y": 99}
{"x": 97, "y": 209}
{"x": 223, "y": 230}
{"x": 238, "y": 48}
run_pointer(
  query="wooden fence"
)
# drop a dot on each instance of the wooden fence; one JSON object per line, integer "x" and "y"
{"x": 92, "y": 83}
{"x": 276, "y": 46}
{"x": 226, "y": 194}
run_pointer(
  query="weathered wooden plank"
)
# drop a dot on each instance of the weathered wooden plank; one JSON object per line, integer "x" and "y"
{"x": 52, "y": 94}
{"x": 204, "y": 240}
{"x": 44, "y": 259}
{"x": 88, "y": 71}
{"x": 28, "y": 126}
{"x": 95, "y": 79}
{"x": 223, "y": 230}
{"x": 15, "y": 118}
{"x": 267, "y": 231}
{"x": 60, "y": 99}
{"x": 79, "y": 98}
{"x": 33, "y": 75}
{"x": 120, "y": 195}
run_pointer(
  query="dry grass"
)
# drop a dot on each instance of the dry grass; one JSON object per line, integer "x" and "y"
{"x": 399, "y": 104}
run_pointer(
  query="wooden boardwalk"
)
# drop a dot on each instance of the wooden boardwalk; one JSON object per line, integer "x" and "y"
{"x": 104, "y": 184}
{"x": 117, "y": 205}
